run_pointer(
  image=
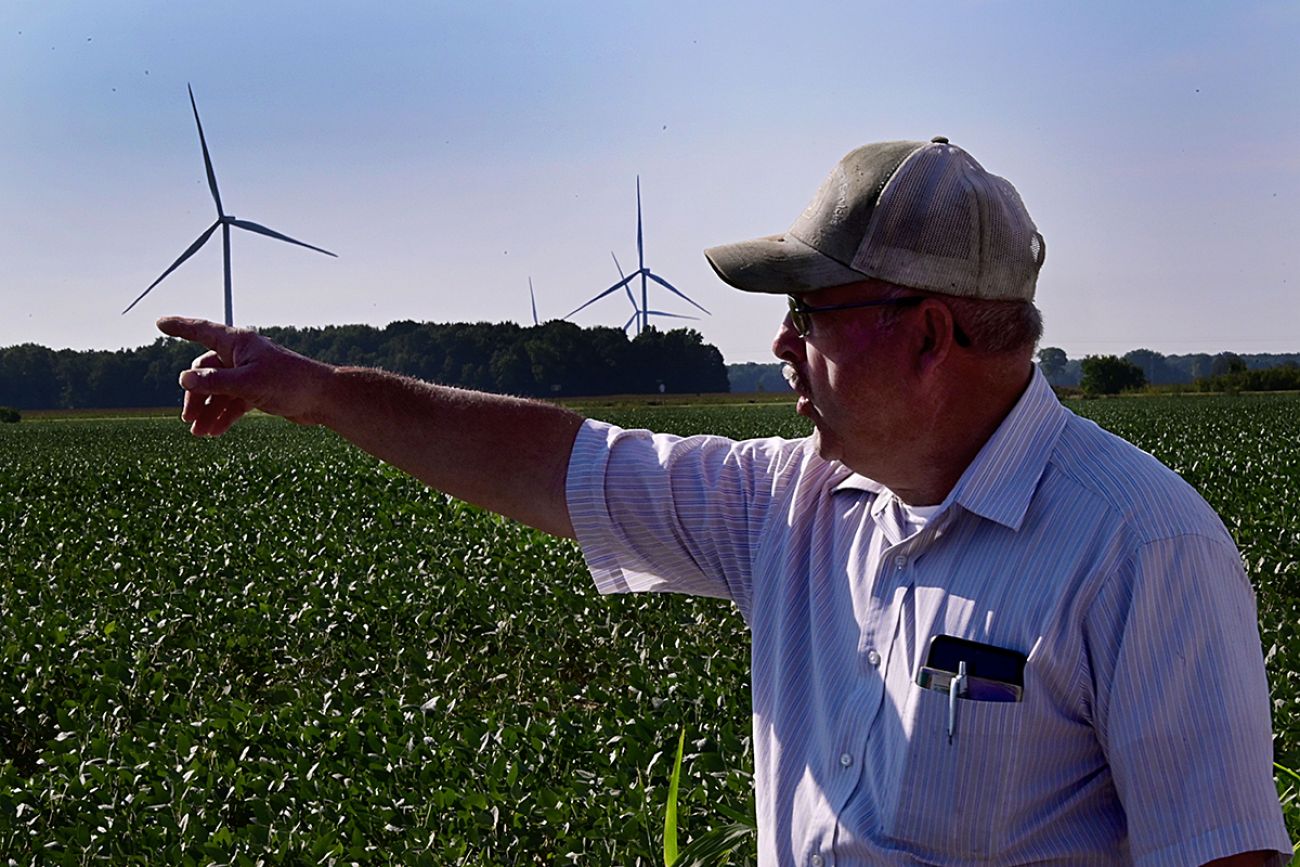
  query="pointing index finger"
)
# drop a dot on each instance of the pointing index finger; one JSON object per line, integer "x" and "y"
{"x": 214, "y": 336}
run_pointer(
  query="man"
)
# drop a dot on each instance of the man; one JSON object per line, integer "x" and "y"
{"x": 984, "y": 630}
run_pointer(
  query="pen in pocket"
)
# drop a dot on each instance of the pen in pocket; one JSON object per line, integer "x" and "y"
{"x": 955, "y": 688}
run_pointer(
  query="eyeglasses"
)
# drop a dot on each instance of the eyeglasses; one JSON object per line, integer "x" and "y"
{"x": 800, "y": 312}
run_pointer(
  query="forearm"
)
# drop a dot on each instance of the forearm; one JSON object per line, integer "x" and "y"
{"x": 502, "y": 453}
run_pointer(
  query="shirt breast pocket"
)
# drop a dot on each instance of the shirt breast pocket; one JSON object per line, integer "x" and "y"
{"x": 950, "y": 795}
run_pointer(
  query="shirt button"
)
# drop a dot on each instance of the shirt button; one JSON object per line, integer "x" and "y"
{"x": 873, "y": 657}
{"x": 846, "y": 759}
{"x": 817, "y": 861}
{"x": 900, "y": 561}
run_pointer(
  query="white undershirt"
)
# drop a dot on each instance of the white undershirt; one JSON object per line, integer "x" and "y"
{"x": 916, "y": 517}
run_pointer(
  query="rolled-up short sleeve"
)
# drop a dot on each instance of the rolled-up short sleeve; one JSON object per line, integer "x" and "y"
{"x": 1181, "y": 704}
{"x": 655, "y": 512}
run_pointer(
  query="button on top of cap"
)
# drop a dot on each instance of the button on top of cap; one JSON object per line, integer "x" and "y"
{"x": 939, "y": 139}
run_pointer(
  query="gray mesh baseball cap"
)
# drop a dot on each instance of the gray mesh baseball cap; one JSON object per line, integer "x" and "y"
{"x": 920, "y": 214}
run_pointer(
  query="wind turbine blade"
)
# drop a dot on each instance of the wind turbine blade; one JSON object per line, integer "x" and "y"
{"x": 640, "y": 256}
{"x": 193, "y": 248}
{"x": 640, "y": 246}
{"x": 628, "y": 323}
{"x": 626, "y": 288}
{"x": 271, "y": 233}
{"x": 673, "y": 289}
{"x": 617, "y": 286}
{"x": 673, "y": 315}
{"x": 533, "y": 298}
{"x": 207, "y": 160}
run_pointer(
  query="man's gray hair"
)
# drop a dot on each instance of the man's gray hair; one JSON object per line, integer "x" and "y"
{"x": 992, "y": 327}
{"x": 998, "y": 327}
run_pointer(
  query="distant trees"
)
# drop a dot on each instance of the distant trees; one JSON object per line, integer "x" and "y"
{"x": 1285, "y": 377}
{"x": 557, "y": 358}
{"x": 1052, "y": 361}
{"x": 1165, "y": 370}
{"x": 1227, "y": 362}
{"x": 34, "y": 377}
{"x": 9, "y": 415}
{"x": 27, "y": 372}
{"x": 1060, "y": 371}
{"x": 752, "y": 376}
{"x": 1110, "y": 374}
{"x": 1153, "y": 366}
{"x": 553, "y": 359}
{"x": 678, "y": 361}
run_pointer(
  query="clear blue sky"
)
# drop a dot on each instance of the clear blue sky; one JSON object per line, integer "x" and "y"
{"x": 449, "y": 151}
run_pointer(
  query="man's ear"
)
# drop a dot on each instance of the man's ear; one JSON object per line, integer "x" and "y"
{"x": 935, "y": 336}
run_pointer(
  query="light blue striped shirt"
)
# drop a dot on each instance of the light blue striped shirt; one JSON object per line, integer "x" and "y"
{"x": 1143, "y": 735}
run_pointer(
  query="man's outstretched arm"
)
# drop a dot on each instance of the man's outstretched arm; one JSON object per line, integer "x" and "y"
{"x": 502, "y": 453}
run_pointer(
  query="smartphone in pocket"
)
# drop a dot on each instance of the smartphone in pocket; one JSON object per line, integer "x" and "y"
{"x": 992, "y": 673}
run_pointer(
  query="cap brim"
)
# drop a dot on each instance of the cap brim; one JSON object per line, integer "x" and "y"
{"x": 779, "y": 265}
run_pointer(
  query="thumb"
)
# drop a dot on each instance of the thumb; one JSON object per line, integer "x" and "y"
{"x": 213, "y": 380}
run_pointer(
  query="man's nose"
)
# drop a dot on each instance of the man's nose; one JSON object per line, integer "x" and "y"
{"x": 787, "y": 345}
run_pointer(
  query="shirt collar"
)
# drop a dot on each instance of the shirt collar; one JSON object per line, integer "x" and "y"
{"x": 1001, "y": 481}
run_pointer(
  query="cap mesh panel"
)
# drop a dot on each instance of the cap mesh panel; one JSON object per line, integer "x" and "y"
{"x": 941, "y": 218}
{"x": 1008, "y": 252}
{"x": 926, "y": 226}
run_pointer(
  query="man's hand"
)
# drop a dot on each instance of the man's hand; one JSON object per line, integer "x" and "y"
{"x": 243, "y": 370}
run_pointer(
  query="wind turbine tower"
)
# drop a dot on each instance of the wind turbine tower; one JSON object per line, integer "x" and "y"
{"x": 225, "y": 221}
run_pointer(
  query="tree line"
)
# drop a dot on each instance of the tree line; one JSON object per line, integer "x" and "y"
{"x": 550, "y": 360}
{"x": 1227, "y": 371}
{"x": 1111, "y": 374}
{"x": 1158, "y": 369}
{"x": 752, "y": 376}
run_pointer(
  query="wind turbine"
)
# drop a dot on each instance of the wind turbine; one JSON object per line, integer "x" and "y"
{"x": 643, "y": 311}
{"x": 225, "y": 221}
{"x": 636, "y": 311}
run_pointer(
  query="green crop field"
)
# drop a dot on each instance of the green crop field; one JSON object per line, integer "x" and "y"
{"x": 271, "y": 648}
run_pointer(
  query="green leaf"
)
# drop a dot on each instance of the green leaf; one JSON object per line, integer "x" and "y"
{"x": 670, "y": 810}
